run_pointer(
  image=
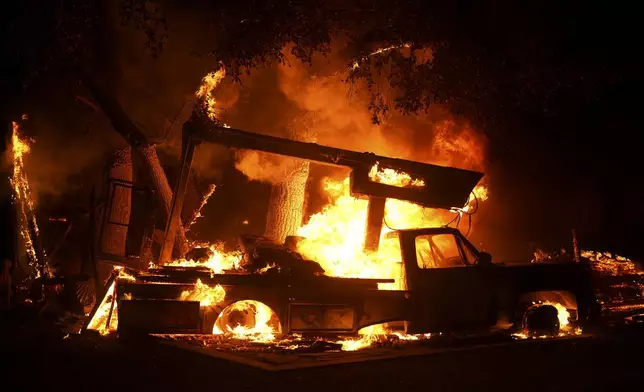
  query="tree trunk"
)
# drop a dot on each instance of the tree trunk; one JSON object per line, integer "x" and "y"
{"x": 162, "y": 187}
{"x": 114, "y": 236}
{"x": 138, "y": 140}
{"x": 286, "y": 202}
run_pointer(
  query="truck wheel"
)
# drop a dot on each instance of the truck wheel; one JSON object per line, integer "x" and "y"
{"x": 541, "y": 320}
{"x": 247, "y": 317}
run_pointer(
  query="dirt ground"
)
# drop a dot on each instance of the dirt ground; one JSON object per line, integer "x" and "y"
{"x": 37, "y": 356}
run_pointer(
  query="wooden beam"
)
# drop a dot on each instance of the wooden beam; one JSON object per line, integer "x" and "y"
{"x": 179, "y": 194}
{"x": 446, "y": 187}
{"x": 375, "y": 217}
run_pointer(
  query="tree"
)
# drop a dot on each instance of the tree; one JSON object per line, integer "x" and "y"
{"x": 523, "y": 73}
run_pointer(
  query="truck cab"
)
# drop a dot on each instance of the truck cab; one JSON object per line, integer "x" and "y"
{"x": 451, "y": 285}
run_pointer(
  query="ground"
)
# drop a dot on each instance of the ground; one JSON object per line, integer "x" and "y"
{"x": 38, "y": 356}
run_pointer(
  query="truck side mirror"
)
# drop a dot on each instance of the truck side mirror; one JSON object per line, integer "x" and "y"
{"x": 485, "y": 259}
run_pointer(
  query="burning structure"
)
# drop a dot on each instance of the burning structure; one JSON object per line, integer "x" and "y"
{"x": 346, "y": 270}
{"x": 411, "y": 278}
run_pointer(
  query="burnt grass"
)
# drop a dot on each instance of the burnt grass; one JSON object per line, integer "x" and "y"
{"x": 38, "y": 356}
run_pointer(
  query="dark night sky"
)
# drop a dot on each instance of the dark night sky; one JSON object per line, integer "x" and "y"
{"x": 564, "y": 163}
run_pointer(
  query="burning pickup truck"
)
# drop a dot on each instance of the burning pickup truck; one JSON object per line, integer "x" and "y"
{"x": 450, "y": 286}
{"x": 441, "y": 282}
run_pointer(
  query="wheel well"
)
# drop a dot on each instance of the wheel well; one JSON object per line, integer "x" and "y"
{"x": 563, "y": 297}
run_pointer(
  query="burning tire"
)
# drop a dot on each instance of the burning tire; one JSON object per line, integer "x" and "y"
{"x": 541, "y": 320}
{"x": 248, "y": 318}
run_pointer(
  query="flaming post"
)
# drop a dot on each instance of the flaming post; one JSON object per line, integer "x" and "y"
{"x": 375, "y": 216}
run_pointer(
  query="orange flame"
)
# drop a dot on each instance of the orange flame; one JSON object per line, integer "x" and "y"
{"x": 22, "y": 195}
{"x": 205, "y": 92}
{"x": 206, "y": 295}
{"x": 335, "y": 237}
{"x": 204, "y": 200}
{"x": 219, "y": 260}
{"x": 394, "y": 177}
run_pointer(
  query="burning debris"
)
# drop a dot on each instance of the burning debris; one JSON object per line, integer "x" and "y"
{"x": 620, "y": 283}
{"x": 608, "y": 264}
{"x": 27, "y": 224}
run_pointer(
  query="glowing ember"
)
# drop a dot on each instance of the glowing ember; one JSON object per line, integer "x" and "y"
{"x": 356, "y": 64}
{"x": 206, "y": 295}
{"x": 22, "y": 196}
{"x": 219, "y": 260}
{"x": 205, "y": 92}
{"x": 609, "y": 264}
{"x": 393, "y": 177}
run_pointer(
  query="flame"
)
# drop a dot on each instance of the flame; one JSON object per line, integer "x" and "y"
{"x": 219, "y": 260}
{"x": 204, "y": 200}
{"x": 394, "y": 177}
{"x": 335, "y": 237}
{"x": 565, "y": 328}
{"x": 205, "y": 92}
{"x": 375, "y": 333}
{"x": 206, "y": 295}
{"x": 259, "y": 323}
{"x": 562, "y": 314}
{"x": 98, "y": 322}
{"x": 22, "y": 195}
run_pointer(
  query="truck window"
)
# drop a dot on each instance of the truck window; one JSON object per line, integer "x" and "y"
{"x": 438, "y": 251}
{"x": 470, "y": 258}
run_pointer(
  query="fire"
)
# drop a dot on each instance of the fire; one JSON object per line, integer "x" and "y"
{"x": 219, "y": 260}
{"x": 335, "y": 237}
{"x": 205, "y": 92}
{"x": 22, "y": 195}
{"x": 563, "y": 315}
{"x": 394, "y": 177}
{"x": 204, "y": 200}
{"x": 105, "y": 319}
{"x": 206, "y": 295}
{"x": 356, "y": 64}
{"x": 99, "y": 320}
{"x": 609, "y": 264}
{"x": 249, "y": 320}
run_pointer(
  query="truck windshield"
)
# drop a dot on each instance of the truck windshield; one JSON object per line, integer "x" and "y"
{"x": 438, "y": 251}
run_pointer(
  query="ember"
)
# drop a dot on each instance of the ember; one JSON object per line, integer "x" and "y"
{"x": 609, "y": 264}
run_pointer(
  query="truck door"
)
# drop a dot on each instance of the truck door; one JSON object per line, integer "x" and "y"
{"x": 448, "y": 291}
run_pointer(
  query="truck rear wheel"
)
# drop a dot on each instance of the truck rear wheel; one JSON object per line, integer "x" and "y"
{"x": 247, "y": 317}
{"x": 541, "y": 320}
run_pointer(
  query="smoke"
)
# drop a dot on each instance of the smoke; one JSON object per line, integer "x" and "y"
{"x": 331, "y": 112}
